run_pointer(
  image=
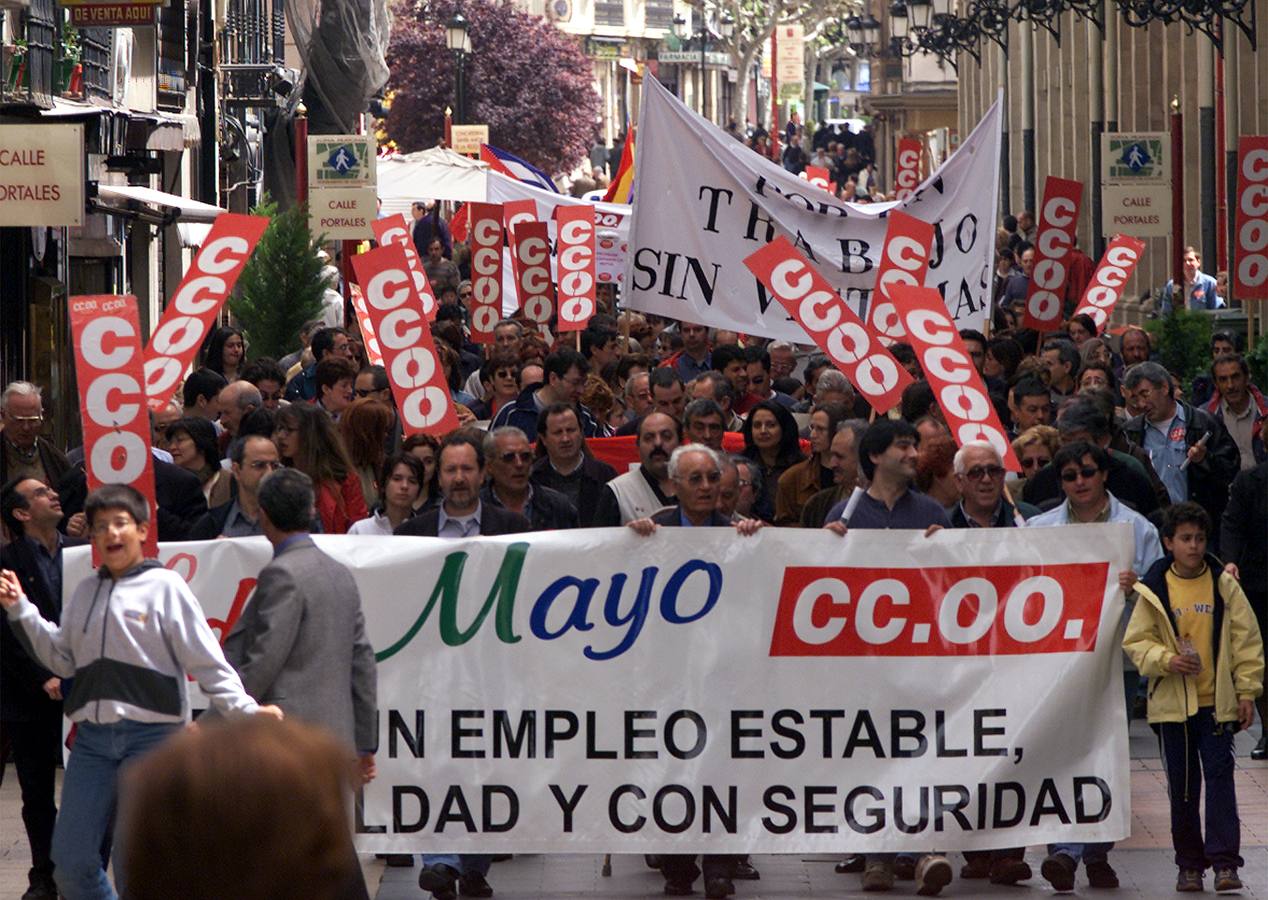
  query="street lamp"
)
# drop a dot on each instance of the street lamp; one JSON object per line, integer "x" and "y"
{"x": 920, "y": 11}
{"x": 459, "y": 43}
{"x": 871, "y": 30}
{"x": 898, "y": 21}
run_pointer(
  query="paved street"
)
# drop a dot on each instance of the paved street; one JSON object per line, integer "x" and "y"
{"x": 1143, "y": 861}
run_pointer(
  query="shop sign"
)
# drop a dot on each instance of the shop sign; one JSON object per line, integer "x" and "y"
{"x": 466, "y": 139}
{"x": 112, "y": 15}
{"x": 41, "y": 175}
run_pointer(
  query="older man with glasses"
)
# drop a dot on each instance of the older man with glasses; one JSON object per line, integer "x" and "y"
{"x": 23, "y": 453}
{"x": 510, "y": 463}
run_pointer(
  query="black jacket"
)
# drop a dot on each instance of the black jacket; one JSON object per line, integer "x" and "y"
{"x": 54, "y": 461}
{"x": 595, "y": 473}
{"x": 21, "y": 677}
{"x": 522, "y": 414}
{"x": 177, "y": 492}
{"x": 493, "y": 520}
{"x": 1209, "y": 479}
{"x": 1244, "y": 535}
{"x": 1043, "y": 489}
{"x": 548, "y": 510}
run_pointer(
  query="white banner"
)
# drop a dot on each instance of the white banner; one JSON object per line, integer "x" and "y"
{"x": 594, "y": 691}
{"x": 703, "y": 202}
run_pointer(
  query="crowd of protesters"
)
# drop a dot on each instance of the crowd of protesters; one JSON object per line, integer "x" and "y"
{"x": 730, "y": 431}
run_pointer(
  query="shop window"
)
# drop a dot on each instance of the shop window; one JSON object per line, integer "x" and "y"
{"x": 172, "y": 44}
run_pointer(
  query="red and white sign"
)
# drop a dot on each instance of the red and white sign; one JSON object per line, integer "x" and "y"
{"x": 962, "y": 396}
{"x": 952, "y": 611}
{"x": 409, "y": 353}
{"x": 907, "y": 174}
{"x": 192, "y": 312}
{"x": 531, "y": 261}
{"x": 106, "y": 331}
{"x": 575, "y": 249}
{"x": 1110, "y": 278}
{"x": 904, "y": 260}
{"x": 818, "y": 176}
{"x": 395, "y": 230}
{"x": 516, "y": 211}
{"x": 372, "y": 350}
{"x": 841, "y": 334}
{"x": 1054, "y": 238}
{"x": 486, "y": 270}
{"x": 1250, "y": 263}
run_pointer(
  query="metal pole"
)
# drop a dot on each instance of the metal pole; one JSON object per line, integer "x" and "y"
{"x": 1096, "y": 96}
{"x": 1110, "y": 18}
{"x": 1027, "y": 117}
{"x": 774, "y": 96}
{"x": 704, "y": 109}
{"x": 1178, "y": 298}
{"x": 1005, "y": 163}
{"x": 301, "y": 154}
{"x": 1206, "y": 146}
{"x": 1232, "y": 128}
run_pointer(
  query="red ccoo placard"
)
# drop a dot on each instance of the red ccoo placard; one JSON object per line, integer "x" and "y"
{"x": 904, "y": 260}
{"x": 1054, "y": 238}
{"x": 409, "y": 353}
{"x": 192, "y": 312}
{"x": 395, "y": 230}
{"x": 907, "y": 176}
{"x": 531, "y": 261}
{"x": 962, "y": 396}
{"x": 106, "y": 331}
{"x": 1110, "y": 278}
{"x": 486, "y": 270}
{"x": 1250, "y": 264}
{"x": 833, "y": 326}
{"x": 575, "y": 253}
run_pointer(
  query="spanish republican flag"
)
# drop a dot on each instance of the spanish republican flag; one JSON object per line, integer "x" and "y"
{"x": 621, "y": 190}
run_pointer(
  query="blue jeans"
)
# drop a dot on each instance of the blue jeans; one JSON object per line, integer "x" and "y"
{"x": 1089, "y": 853}
{"x": 89, "y": 793}
{"x": 1196, "y": 751}
{"x": 465, "y": 863}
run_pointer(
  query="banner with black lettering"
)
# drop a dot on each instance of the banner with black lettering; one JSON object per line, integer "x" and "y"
{"x": 694, "y": 691}
{"x": 705, "y": 202}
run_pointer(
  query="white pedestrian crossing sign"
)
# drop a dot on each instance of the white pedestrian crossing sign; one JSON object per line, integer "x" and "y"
{"x": 341, "y": 160}
{"x": 1134, "y": 158}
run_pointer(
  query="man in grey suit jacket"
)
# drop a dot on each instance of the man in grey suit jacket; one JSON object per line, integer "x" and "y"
{"x": 301, "y": 640}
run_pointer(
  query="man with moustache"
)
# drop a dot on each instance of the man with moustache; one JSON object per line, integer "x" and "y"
{"x": 639, "y": 493}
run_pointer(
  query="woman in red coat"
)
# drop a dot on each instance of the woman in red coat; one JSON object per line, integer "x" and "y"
{"x": 308, "y": 441}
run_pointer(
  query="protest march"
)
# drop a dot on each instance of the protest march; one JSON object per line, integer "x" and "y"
{"x": 304, "y": 600}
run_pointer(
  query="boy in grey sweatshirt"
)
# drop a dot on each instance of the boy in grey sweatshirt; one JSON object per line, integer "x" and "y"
{"x": 127, "y": 639}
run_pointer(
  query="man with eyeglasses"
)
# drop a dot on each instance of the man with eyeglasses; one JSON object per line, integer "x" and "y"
{"x": 696, "y": 472}
{"x": 1084, "y": 471}
{"x": 565, "y": 376}
{"x": 979, "y": 472}
{"x": 510, "y": 464}
{"x": 251, "y": 459}
{"x": 23, "y": 453}
{"x": 30, "y": 695}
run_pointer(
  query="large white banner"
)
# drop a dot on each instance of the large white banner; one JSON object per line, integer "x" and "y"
{"x": 594, "y": 691}
{"x": 704, "y": 201}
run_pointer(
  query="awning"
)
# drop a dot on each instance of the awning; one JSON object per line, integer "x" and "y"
{"x": 171, "y": 207}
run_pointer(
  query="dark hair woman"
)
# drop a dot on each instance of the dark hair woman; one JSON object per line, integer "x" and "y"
{"x": 194, "y": 447}
{"x": 225, "y": 352}
{"x": 307, "y": 440}
{"x": 426, "y": 448}
{"x": 400, "y": 488}
{"x": 364, "y": 427}
{"x": 770, "y": 440}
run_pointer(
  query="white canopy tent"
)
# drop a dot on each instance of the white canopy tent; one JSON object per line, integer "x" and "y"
{"x": 435, "y": 174}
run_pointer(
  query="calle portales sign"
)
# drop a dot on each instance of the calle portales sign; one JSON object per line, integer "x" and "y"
{"x": 41, "y": 175}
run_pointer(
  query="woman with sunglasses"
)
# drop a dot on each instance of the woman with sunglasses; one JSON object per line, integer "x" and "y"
{"x": 307, "y": 440}
{"x": 500, "y": 377}
{"x": 1035, "y": 447}
{"x": 400, "y": 486}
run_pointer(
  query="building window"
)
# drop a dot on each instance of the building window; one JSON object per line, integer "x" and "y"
{"x": 609, "y": 12}
{"x": 96, "y": 52}
{"x": 42, "y": 20}
{"x": 660, "y": 14}
{"x": 171, "y": 56}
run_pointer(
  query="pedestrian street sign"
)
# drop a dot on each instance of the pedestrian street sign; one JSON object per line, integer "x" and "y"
{"x": 341, "y": 160}
{"x": 1135, "y": 158}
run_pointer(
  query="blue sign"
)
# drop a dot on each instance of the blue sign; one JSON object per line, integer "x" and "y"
{"x": 1135, "y": 156}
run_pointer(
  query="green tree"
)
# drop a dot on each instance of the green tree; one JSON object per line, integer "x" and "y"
{"x": 281, "y": 287}
{"x": 1183, "y": 339}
